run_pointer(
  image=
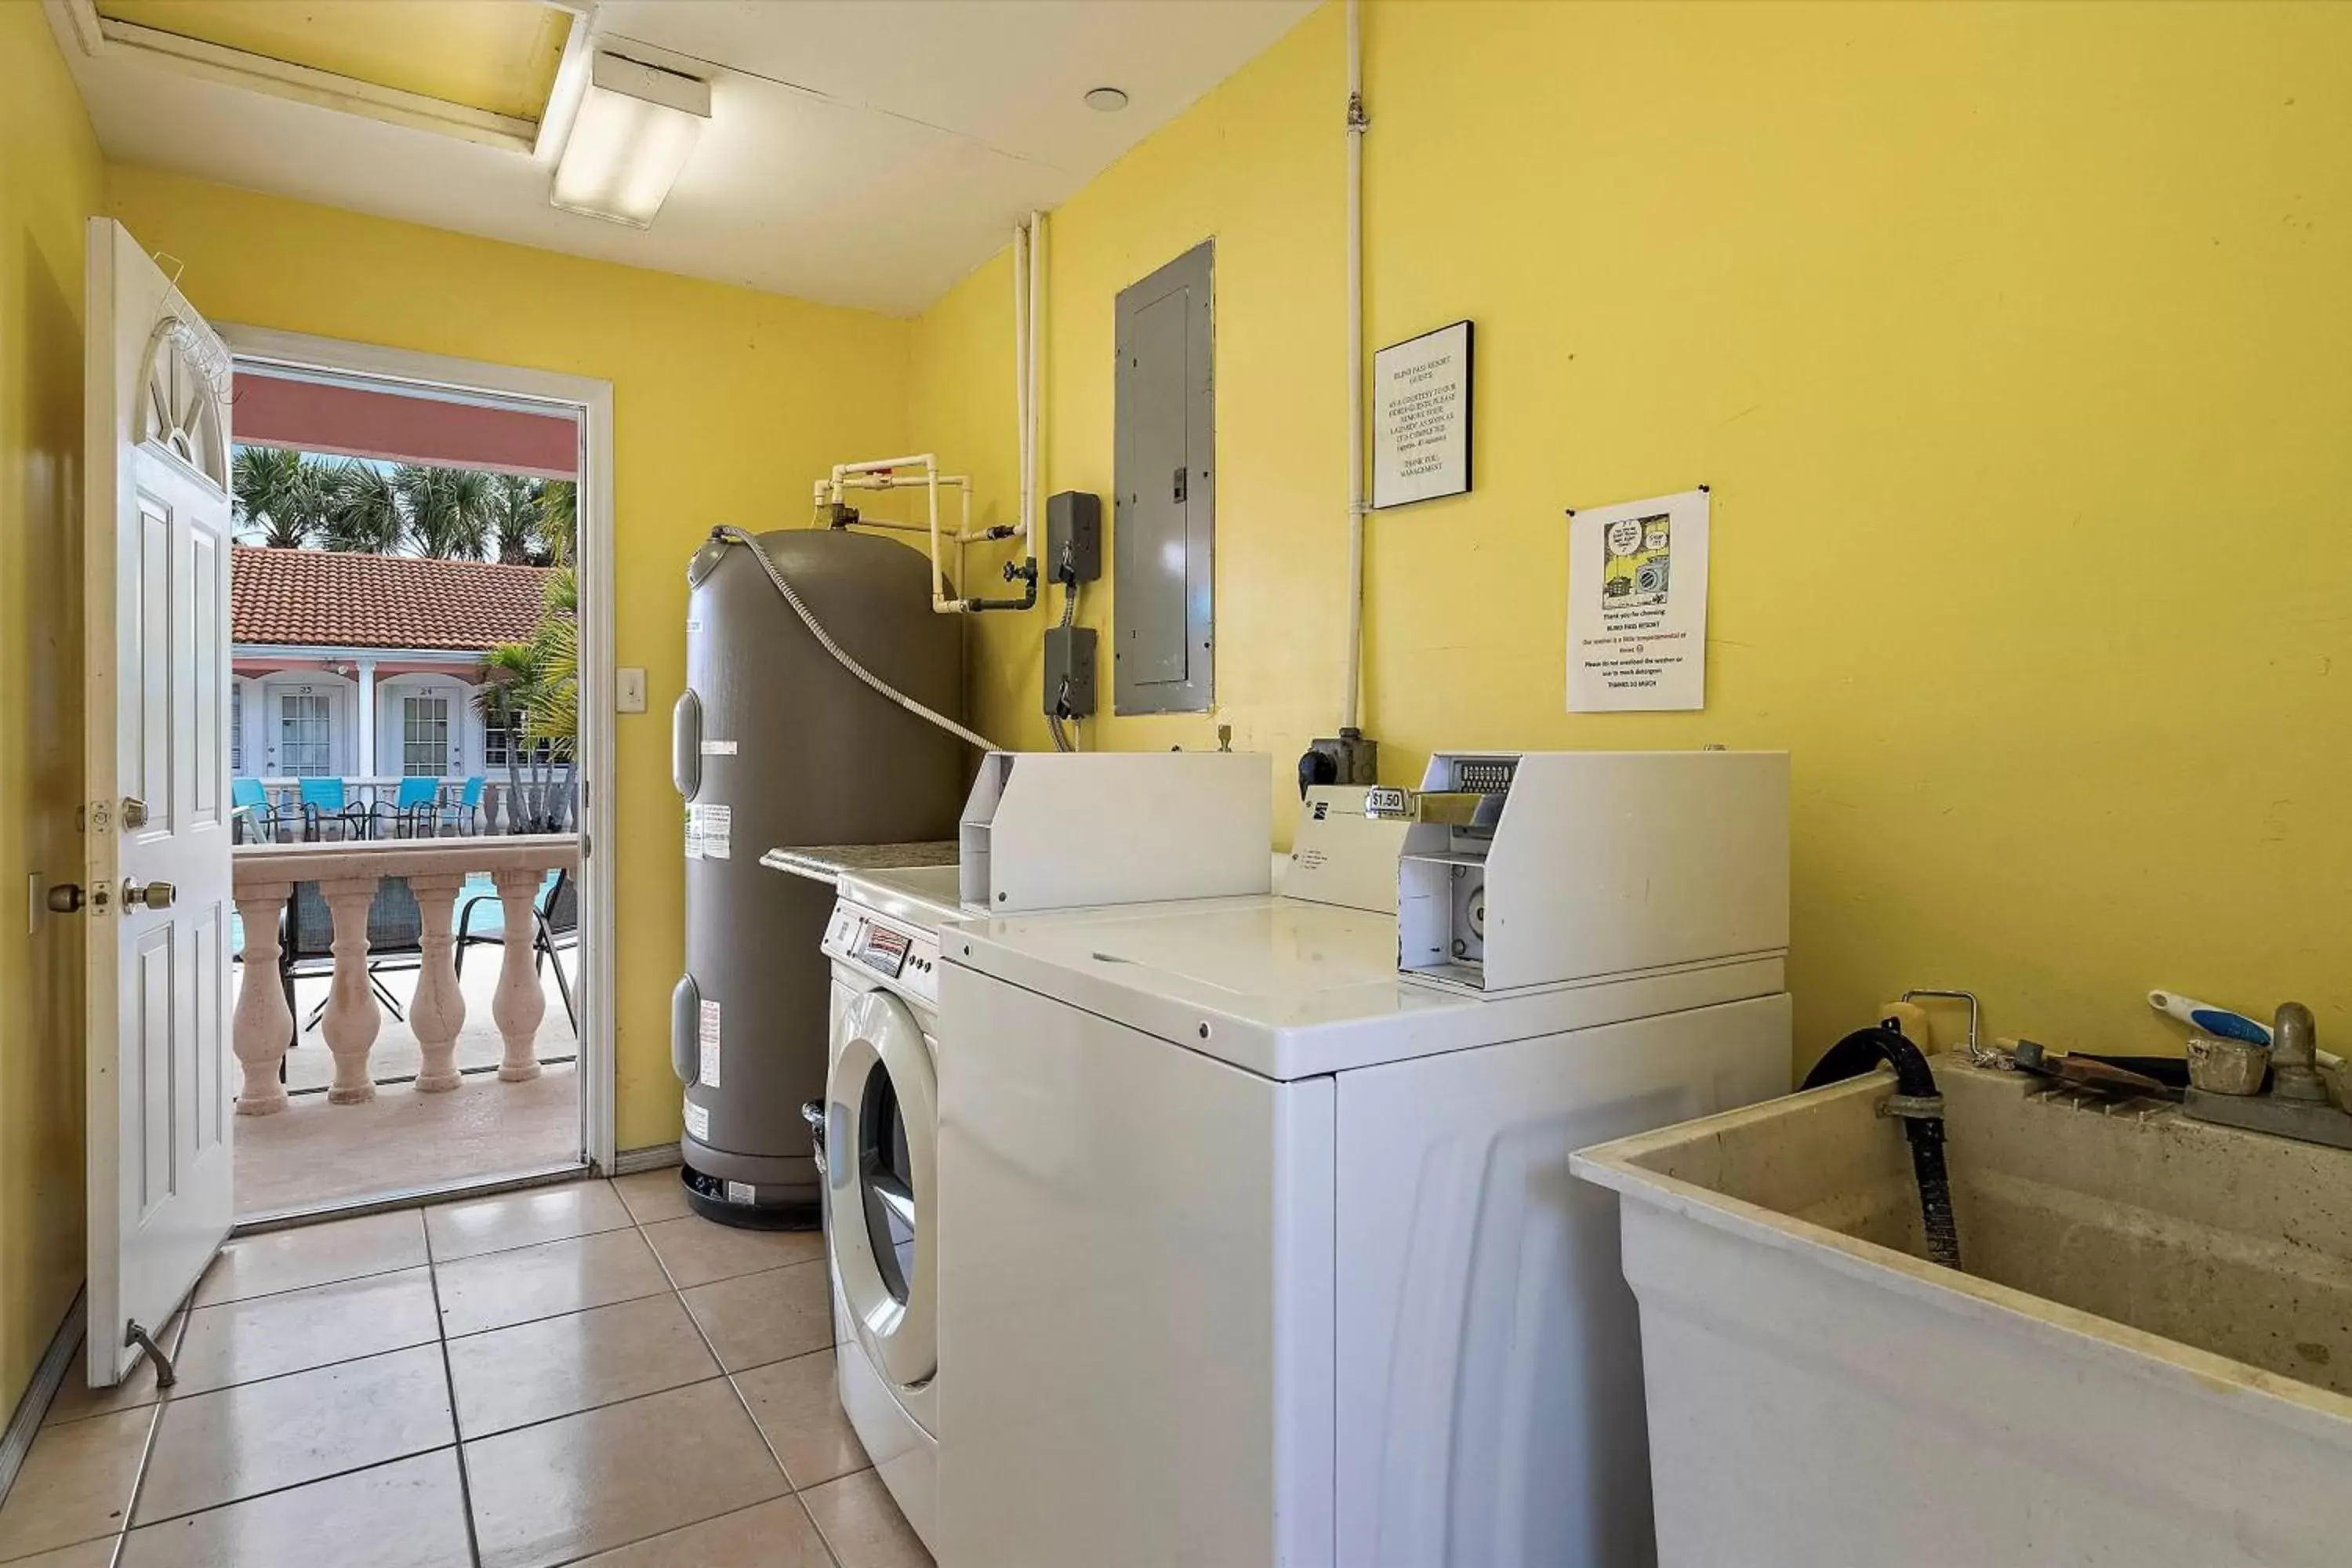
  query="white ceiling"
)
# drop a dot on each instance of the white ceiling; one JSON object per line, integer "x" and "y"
{"x": 865, "y": 152}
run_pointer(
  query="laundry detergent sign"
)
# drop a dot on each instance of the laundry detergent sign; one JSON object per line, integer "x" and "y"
{"x": 1637, "y": 605}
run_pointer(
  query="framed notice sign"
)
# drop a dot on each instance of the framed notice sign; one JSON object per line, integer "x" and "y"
{"x": 1421, "y": 417}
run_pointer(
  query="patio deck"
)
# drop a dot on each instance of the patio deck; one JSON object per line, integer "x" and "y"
{"x": 313, "y": 1154}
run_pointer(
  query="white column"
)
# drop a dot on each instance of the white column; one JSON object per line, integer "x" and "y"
{"x": 352, "y": 1019}
{"x": 265, "y": 1025}
{"x": 365, "y": 765}
{"x": 439, "y": 1011}
{"x": 518, "y": 1004}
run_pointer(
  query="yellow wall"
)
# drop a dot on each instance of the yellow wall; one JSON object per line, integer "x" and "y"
{"x": 726, "y": 404}
{"x": 51, "y": 183}
{"x": 2014, "y": 342}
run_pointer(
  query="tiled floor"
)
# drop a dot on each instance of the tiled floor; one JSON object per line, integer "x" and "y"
{"x": 584, "y": 1374}
{"x": 313, "y": 1154}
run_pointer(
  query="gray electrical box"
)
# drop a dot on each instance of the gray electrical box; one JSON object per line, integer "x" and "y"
{"x": 1163, "y": 528}
{"x": 1070, "y": 672}
{"x": 1073, "y": 535}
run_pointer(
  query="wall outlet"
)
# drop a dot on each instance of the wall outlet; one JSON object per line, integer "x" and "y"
{"x": 629, "y": 691}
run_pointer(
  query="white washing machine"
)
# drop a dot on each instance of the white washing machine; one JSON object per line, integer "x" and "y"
{"x": 881, "y": 1118}
{"x": 1256, "y": 1252}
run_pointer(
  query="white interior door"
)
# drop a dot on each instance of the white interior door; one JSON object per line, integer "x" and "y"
{"x": 156, "y": 671}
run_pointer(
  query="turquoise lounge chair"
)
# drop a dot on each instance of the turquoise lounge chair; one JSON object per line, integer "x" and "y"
{"x": 323, "y": 801}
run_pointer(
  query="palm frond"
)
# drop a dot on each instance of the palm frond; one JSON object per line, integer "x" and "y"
{"x": 365, "y": 509}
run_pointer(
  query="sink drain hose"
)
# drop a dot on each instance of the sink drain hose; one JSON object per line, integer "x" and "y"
{"x": 1921, "y": 1109}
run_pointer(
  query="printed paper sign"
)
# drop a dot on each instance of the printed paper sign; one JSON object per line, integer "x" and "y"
{"x": 1637, "y": 605}
{"x": 717, "y": 748}
{"x": 693, "y": 832}
{"x": 741, "y": 1192}
{"x": 707, "y": 1072}
{"x": 698, "y": 1122}
{"x": 717, "y": 828}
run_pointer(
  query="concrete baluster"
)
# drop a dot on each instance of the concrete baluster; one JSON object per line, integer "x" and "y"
{"x": 439, "y": 1011}
{"x": 351, "y": 1019}
{"x": 519, "y": 1005}
{"x": 264, "y": 1026}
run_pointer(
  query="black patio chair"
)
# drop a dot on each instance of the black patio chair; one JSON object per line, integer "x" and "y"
{"x": 306, "y": 936}
{"x": 556, "y": 922}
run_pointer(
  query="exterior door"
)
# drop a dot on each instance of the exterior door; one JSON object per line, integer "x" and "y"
{"x": 881, "y": 1130}
{"x": 155, "y": 765}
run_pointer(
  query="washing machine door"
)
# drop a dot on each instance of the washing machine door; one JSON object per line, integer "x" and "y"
{"x": 882, "y": 1121}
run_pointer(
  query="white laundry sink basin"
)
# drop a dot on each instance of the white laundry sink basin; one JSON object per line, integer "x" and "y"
{"x": 2147, "y": 1362}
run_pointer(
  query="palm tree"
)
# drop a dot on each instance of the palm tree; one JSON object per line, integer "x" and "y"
{"x": 364, "y": 510}
{"x": 450, "y": 511}
{"x": 558, "y": 522}
{"x": 517, "y": 510}
{"x": 276, "y": 496}
{"x": 532, "y": 690}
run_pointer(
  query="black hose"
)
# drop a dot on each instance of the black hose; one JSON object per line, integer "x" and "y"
{"x": 1921, "y": 1108}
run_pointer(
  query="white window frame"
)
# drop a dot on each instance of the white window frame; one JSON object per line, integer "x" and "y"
{"x": 591, "y": 401}
{"x": 236, "y": 728}
{"x": 320, "y": 706}
{"x": 446, "y": 720}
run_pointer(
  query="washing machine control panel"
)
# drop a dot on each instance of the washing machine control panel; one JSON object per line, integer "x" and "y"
{"x": 904, "y": 955}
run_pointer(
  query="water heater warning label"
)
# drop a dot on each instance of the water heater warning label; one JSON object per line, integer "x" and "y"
{"x": 709, "y": 831}
{"x": 698, "y": 1122}
{"x": 706, "y": 1071}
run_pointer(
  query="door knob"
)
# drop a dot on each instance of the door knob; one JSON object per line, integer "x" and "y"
{"x": 64, "y": 898}
{"x": 155, "y": 895}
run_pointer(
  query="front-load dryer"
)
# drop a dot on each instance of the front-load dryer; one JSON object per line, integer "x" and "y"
{"x": 881, "y": 1126}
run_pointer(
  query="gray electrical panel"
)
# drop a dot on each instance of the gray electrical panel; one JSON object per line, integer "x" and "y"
{"x": 1163, "y": 528}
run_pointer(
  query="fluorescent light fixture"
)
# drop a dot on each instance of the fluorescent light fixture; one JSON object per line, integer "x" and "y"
{"x": 635, "y": 127}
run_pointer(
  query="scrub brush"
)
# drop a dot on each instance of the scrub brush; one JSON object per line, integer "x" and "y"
{"x": 2212, "y": 1019}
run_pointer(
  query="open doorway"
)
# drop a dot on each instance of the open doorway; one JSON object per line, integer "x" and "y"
{"x": 414, "y": 604}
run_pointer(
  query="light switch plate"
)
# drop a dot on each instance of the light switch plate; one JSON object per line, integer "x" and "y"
{"x": 629, "y": 691}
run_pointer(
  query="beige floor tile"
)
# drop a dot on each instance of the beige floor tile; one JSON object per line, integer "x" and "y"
{"x": 760, "y": 1318}
{"x": 520, "y": 1219}
{"x": 655, "y": 1194}
{"x": 771, "y": 1535}
{"x": 557, "y": 1367}
{"x": 242, "y": 1342}
{"x": 257, "y": 1436}
{"x": 798, "y": 1409}
{"x": 277, "y": 1260}
{"x": 696, "y": 1251}
{"x": 604, "y": 1478}
{"x": 863, "y": 1526}
{"x": 76, "y": 1483}
{"x": 407, "y": 1514}
{"x": 100, "y": 1553}
{"x": 501, "y": 1288}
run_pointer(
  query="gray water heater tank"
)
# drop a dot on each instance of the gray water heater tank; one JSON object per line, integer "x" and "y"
{"x": 775, "y": 743}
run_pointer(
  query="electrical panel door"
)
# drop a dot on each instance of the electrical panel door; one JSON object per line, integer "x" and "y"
{"x": 1164, "y": 514}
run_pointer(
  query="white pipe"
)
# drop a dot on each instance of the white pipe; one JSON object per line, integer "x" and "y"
{"x": 1356, "y": 124}
{"x": 1023, "y": 261}
{"x": 1036, "y": 310}
{"x": 920, "y": 460}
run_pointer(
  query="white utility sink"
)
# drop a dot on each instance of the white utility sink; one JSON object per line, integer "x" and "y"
{"x": 2147, "y": 1362}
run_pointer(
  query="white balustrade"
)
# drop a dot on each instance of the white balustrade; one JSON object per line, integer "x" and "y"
{"x": 347, "y": 875}
{"x": 376, "y": 796}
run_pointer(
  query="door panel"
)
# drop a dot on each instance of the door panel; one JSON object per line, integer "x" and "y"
{"x": 152, "y": 693}
{"x": 208, "y": 716}
{"x": 155, "y": 590}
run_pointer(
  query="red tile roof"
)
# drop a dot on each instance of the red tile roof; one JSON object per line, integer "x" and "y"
{"x": 328, "y": 598}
